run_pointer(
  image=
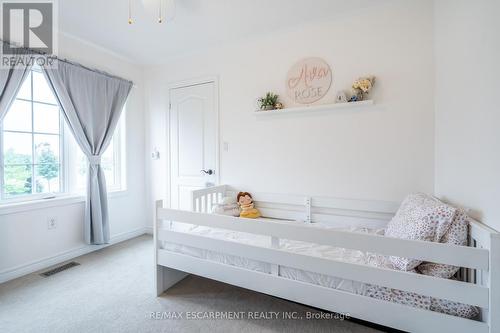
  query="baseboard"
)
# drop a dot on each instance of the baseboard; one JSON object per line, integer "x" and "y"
{"x": 44, "y": 263}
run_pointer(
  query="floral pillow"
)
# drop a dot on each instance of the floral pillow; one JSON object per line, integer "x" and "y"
{"x": 456, "y": 235}
{"x": 420, "y": 217}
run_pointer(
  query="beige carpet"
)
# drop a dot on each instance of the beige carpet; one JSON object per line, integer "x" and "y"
{"x": 112, "y": 291}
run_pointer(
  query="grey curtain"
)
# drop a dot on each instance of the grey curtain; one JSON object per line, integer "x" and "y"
{"x": 92, "y": 103}
{"x": 11, "y": 78}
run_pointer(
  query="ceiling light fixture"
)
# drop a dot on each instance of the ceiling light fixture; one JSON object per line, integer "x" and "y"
{"x": 166, "y": 12}
{"x": 130, "y": 21}
{"x": 160, "y": 17}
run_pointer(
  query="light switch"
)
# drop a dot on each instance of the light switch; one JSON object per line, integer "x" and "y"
{"x": 155, "y": 155}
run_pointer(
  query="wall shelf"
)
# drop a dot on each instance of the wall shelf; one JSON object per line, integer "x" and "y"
{"x": 311, "y": 108}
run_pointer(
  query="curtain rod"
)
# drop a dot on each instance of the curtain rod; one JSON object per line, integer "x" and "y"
{"x": 28, "y": 50}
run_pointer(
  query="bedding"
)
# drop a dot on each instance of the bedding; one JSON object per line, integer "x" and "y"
{"x": 456, "y": 235}
{"x": 420, "y": 217}
{"x": 324, "y": 251}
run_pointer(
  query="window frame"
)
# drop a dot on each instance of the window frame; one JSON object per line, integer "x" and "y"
{"x": 62, "y": 151}
{"x": 121, "y": 151}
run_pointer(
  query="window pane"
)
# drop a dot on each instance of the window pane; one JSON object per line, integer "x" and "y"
{"x": 108, "y": 164}
{"x": 17, "y": 179}
{"x": 25, "y": 90}
{"x": 32, "y": 162}
{"x": 81, "y": 172}
{"x": 109, "y": 173}
{"x": 41, "y": 89}
{"x": 17, "y": 148}
{"x": 18, "y": 118}
{"x": 108, "y": 157}
{"x": 46, "y": 118}
{"x": 47, "y": 178}
{"x": 46, "y": 149}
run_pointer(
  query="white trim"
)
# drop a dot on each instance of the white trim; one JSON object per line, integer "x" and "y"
{"x": 118, "y": 194}
{"x": 24, "y": 206}
{"x": 193, "y": 82}
{"x": 13, "y": 273}
{"x": 56, "y": 201}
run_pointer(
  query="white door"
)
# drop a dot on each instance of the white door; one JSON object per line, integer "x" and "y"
{"x": 193, "y": 141}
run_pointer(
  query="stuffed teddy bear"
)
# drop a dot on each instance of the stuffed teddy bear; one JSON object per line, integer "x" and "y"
{"x": 227, "y": 206}
{"x": 245, "y": 202}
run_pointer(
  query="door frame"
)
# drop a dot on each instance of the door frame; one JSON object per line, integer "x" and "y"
{"x": 185, "y": 84}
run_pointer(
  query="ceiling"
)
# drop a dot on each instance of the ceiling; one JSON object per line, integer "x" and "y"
{"x": 198, "y": 24}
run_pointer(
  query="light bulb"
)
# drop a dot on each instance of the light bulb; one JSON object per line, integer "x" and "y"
{"x": 160, "y": 19}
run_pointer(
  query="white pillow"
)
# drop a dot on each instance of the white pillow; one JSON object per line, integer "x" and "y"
{"x": 227, "y": 206}
{"x": 228, "y": 201}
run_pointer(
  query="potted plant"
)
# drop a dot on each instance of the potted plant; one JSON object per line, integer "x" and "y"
{"x": 269, "y": 102}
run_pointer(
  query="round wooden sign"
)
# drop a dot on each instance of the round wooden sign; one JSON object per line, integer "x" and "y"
{"x": 308, "y": 80}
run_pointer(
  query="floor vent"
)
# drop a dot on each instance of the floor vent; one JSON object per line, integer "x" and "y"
{"x": 60, "y": 269}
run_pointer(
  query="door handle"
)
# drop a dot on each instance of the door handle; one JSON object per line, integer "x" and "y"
{"x": 208, "y": 172}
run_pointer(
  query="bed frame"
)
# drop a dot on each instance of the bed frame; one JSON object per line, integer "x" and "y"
{"x": 481, "y": 260}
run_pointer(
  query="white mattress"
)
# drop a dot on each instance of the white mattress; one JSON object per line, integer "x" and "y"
{"x": 323, "y": 251}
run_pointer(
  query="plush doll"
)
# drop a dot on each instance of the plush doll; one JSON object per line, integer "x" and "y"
{"x": 247, "y": 207}
{"x": 228, "y": 206}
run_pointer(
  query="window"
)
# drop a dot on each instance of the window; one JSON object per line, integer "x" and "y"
{"x": 112, "y": 162}
{"x": 38, "y": 155}
{"x": 31, "y": 137}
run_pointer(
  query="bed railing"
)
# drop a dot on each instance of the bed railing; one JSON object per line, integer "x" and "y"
{"x": 483, "y": 259}
{"x": 203, "y": 200}
{"x": 310, "y": 209}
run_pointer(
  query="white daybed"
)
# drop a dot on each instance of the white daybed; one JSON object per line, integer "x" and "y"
{"x": 265, "y": 255}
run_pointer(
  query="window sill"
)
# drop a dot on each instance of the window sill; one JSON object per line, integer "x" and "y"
{"x": 61, "y": 200}
{"x": 23, "y": 206}
{"x": 117, "y": 193}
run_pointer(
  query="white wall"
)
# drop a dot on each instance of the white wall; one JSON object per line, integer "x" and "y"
{"x": 25, "y": 241}
{"x": 467, "y": 48}
{"x": 380, "y": 152}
